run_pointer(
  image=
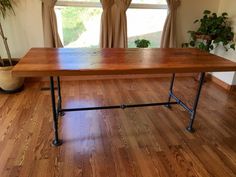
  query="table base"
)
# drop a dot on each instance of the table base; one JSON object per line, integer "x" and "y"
{"x": 59, "y": 111}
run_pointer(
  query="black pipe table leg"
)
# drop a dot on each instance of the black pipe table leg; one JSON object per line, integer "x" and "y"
{"x": 171, "y": 90}
{"x": 59, "y": 112}
{"x": 193, "y": 113}
{"x": 56, "y": 141}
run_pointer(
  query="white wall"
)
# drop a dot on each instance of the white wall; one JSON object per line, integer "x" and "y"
{"x": 234, "y": 80}
{"x": 188, "y": 12}
{"x": 24, "y": 29}
{"x": 228, "y": 6}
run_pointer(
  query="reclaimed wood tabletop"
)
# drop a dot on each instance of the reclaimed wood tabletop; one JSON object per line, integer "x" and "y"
{"x": 76, "y": 61}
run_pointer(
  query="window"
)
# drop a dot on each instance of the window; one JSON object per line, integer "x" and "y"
{"x": 79, "y": 21}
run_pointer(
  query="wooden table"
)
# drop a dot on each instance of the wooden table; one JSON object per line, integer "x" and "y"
{"x": 74, "y": 62}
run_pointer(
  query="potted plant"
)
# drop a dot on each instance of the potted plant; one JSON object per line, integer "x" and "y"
{"x": 8, "y": 83}
{"x": 142, "y": 43}
{"x": 212, "y": 31}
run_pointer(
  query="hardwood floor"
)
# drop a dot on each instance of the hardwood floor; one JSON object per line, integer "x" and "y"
{"x": 137, "y": 142}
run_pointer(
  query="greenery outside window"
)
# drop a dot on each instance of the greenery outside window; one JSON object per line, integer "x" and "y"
{"x": 79, "y": 21}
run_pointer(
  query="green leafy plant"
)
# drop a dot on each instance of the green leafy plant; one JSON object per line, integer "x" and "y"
{"x": 212, "y": 31}
{"x": 5, "y": 6}
{"x": 142, "y": 43}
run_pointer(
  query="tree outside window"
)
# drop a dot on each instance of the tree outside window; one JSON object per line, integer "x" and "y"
{"x": 79, "y": 26}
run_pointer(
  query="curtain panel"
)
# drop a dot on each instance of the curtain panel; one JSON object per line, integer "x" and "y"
{"x": 168, "y": 39}
{"x": 114, "y": 24}
{"x": 51, "y": 36}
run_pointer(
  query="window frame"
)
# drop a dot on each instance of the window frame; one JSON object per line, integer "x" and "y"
{"x": 98, "y": 5}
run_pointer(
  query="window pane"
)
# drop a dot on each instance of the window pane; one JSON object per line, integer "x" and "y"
{"x": 80, "y": 26}
{"x": 145, "y": 24}
{"x": 149, "y": 1}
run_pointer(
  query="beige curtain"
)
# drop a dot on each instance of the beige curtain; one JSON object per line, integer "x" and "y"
{"x": 114, "y": 24}
{"x": 168, "y": 39}
{"x": 51, "y": 36}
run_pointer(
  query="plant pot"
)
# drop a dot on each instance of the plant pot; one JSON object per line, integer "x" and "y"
{"x": 8, "y": 83}
{"x": 204, "y": 37}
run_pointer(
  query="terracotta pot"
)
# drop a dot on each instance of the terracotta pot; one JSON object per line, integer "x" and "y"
{"x": 204, "y": 37}
{"x": 7, "y": 82}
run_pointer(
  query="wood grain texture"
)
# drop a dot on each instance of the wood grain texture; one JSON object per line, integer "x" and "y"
{"x": 70, "y": 62}
{"x": 109, "y": 77}
{"x": 138, "y": 142}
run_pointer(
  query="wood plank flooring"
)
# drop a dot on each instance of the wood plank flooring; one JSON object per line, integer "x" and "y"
{"x": 137, "y": 142}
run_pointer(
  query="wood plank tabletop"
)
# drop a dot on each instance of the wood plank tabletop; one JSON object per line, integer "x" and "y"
{"x": 74, "y": 61}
